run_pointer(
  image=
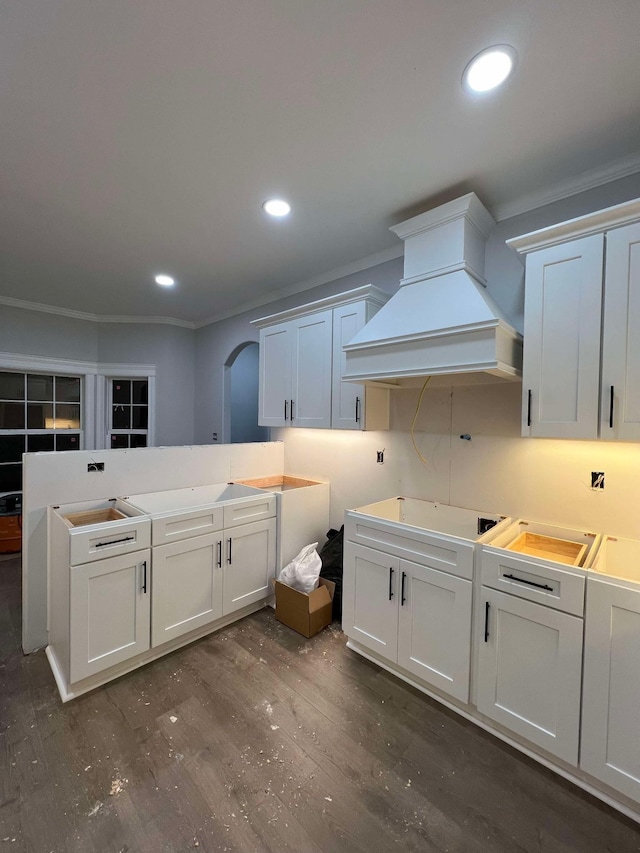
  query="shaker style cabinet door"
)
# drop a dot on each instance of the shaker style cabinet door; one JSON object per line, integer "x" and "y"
{"x": 620, "y": 399}
{"x": 371, "y": 592}
{"x": 187, "y": 586}
{"x": 274, "y": 396}
{"x": 347, "y": 397}
{"x": 563, "y": 311}
{"x": 530, "y": 665}
{"x": 249, "y": 559}
{"x": 311, "y": 370}
{"x": 434, "y": 628}
{"x": 610, "y": 744}
{"x": 109, "y": 612}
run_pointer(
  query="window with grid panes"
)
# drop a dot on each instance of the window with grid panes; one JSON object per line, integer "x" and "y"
{"x": 38, "y": 412}
{"x": 129, "y": 412}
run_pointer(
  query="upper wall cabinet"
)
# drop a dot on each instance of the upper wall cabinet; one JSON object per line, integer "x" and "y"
{"x": 581, "y": 371}
{"x": 301, "y": 364}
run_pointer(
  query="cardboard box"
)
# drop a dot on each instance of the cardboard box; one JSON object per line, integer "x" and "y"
{"x": 306, "y": 613}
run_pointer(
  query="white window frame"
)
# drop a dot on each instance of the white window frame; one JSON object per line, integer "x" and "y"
{"x": 94, "y": 413}
{"x": 107, "y": 372}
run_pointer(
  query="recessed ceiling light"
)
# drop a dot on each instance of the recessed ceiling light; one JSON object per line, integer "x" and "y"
{"x": 165, "y": 280}
{"x": 277, "y": 207}
{"x": 489, "y": 68}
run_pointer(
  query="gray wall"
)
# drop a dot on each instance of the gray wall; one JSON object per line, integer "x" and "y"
{"x": 244, "y": 375}
{"x": 36, "y": 333}
{"x": 216, "y": 342}
{"x": 172, "y": 350}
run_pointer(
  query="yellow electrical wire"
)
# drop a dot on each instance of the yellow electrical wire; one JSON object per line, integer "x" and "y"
{"x": 415, "y": 418}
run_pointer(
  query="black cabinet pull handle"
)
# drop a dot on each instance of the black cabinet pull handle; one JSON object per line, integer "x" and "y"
{"x": 144, "y": 576}
{"x": 219, "y": 553}
{"x": 229, "y": 551}
{"x": 390, "y": 583}
{"x": 402, "y": 598}
{"x": 529, "y": 408}
{"x": 529, "y": 583}
{"x": 486, "y": 621}
{"x": 286, "y": 404}
{"x": 611, "y": 409}
{"x": 115, "y": 541}
{"x": 292, "y": 410}
{"x": 357, "y": 410}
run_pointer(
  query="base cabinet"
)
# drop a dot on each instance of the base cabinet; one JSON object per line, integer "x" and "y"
{"x": 109, "y": 613}
{"x": 529, "y": 676}
{"x": 250, "y": 566}
{"x": 412, "y": 615}
{"x": 610, "y": 748}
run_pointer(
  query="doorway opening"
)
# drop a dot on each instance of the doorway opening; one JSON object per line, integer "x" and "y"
{"x": 241, "y": 372}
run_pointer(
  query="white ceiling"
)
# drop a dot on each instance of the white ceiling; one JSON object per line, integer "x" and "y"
{"x": 143, "y": 136}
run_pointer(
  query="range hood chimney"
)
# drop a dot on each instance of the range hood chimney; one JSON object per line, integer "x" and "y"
{"x": 441, "y": 322}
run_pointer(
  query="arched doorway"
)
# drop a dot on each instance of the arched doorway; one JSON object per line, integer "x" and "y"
{"x": 241, "y": 395}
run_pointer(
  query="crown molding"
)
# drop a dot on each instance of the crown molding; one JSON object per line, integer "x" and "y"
{"x": 588, "y": 180}
{"x": 92, "y": 318}
{"x": 324, "y": 278}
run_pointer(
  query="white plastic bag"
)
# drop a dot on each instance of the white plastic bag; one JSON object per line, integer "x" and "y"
{"x": 303, "y": 571}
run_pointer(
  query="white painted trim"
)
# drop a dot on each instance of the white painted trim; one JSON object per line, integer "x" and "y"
{"x": 581, "y": 226}
{"x": 126, "y": 371}
{"x": 91, "y": 318}
{"x": 613, "y": 171}
{"x": 45, "y": 364}
{"x": 324, "y": 278}
{"x": 368, "y": 291}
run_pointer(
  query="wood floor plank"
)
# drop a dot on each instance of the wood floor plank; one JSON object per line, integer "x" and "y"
{"x": 257, "y": 740}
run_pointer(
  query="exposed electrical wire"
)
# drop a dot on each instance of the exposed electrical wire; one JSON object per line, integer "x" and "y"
{"x": 415, "y": 418}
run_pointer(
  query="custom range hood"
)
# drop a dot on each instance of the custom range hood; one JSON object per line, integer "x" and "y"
{"x": 441, "y": 322}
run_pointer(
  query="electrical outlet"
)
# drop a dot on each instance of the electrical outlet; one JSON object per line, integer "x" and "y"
{"x": 214, "y": 436}
{"x": 380, "y": 457}
{"x": 95, "y": 466}
{"x": 597, "y": 479}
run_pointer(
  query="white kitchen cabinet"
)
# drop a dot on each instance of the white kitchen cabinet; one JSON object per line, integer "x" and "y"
{"x": 530, "y": 663}
{"x": 187, "y": 586}
{"x": 620, "y": 406}
{"x": 354, "y": 406}
{"x": 109, "y": 612}
{"x": 407, "y": 590}
{"x": 581, "y": 372}
{"x": 610, "y": 746}
{"x": 301, "y": 363}
{"x": 562, "y": 340}
{"x": 250, "y": 554}
{"x": 295, "y": 372}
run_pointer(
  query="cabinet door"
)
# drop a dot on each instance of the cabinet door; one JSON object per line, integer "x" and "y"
{"x": 370, "y": 596}
{"x": 275, "y": 375}
{"x": 434, "y": 628}
{"x": 563, "y": 310}
{"x": 187, "y": 586}
{"x": 347, "y": 398}
{"x": 250, "y": 561}
{"x": 109, "y": 612}
{"x": 610, "y": 748}
{"x": 620, "y": 401}
{"x": 311, "y": 366}
{"x": 529, "y": 676}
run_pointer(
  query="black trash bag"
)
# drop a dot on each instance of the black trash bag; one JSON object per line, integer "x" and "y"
{"x": 331, "y": 556}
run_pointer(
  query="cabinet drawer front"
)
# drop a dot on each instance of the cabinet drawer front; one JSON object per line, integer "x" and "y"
{"x": 427, "y": 549}
{"x": 109, "y": 613}
{"x": 246, "y": 511}
{"x": 175, "y": 526}
{"x": 96, "y": 543}
{"x": 557, "y": 588}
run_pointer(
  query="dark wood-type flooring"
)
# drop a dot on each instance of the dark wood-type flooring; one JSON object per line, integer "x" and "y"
{"x": 255, "y": 739}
